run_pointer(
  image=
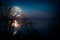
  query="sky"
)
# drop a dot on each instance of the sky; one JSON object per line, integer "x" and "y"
{"x": 40, "y": 11}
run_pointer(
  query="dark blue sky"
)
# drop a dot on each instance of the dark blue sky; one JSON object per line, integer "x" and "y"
{"x": 31, "y": 5}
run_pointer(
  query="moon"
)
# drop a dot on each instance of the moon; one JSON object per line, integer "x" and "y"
{"x": 15, "y": 11}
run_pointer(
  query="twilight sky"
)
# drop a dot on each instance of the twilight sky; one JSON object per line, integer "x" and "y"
{"x": 40, "y": 11}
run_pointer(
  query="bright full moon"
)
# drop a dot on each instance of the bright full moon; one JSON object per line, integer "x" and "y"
{"x": 15, "y": 11}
